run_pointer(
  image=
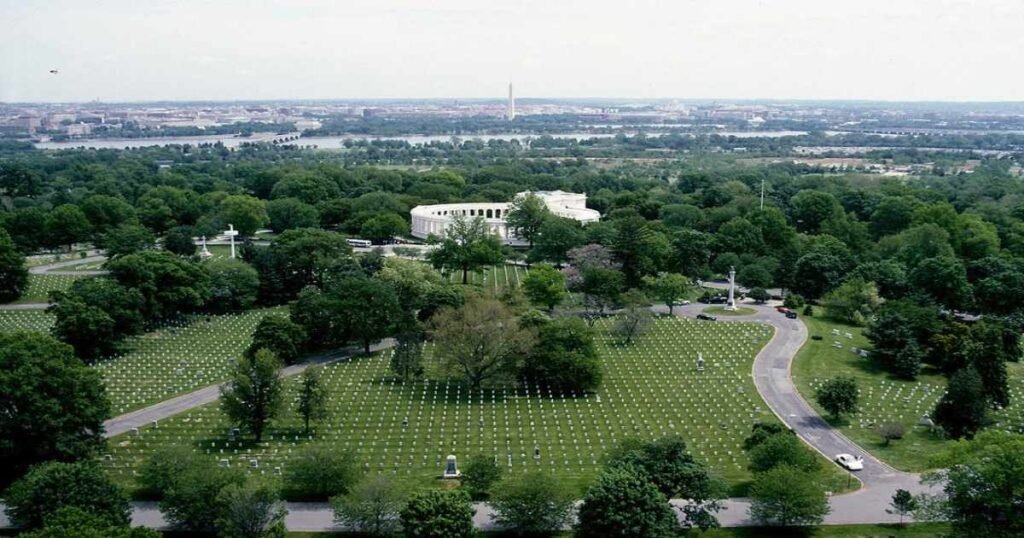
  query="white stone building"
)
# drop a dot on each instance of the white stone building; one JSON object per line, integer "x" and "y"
{"x": 433, "y": 220}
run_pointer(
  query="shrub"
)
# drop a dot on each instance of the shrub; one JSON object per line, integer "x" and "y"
{"x": 318, "y": 472}
{"x": 891, "y": 431}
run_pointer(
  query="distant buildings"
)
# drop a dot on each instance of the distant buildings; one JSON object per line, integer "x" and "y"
{"x": 434, "y": 220}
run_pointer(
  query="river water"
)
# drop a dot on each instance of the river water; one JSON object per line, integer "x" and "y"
{"x": 334, "y": 142}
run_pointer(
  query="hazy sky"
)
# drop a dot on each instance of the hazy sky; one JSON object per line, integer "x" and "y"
{"x": 787, "y": 49}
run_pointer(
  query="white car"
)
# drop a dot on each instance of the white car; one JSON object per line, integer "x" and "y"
{"x": 850, "y": 462}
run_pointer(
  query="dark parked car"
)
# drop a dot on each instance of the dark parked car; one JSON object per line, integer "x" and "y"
{"x": 706, "y": 317}
{"x": 791, "y": 314}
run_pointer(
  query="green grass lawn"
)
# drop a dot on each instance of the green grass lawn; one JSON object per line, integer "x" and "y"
{"x": 883, "y": 398}
{"x": 40, "y": 286}
{"x": 651, "y": 389}
{"x": 495, "y": 278}
{"x": 180, "y": 356}
{"x": 25, "y": 320}
{"x": 722, "y": 311}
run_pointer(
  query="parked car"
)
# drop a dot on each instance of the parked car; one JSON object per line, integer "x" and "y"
{"x": 791, "y": 314}
{"x": 850, "y": 462}
{"x": 706, "y": 317}
{"x": 684, "y": 302}
{"x": 782, "y": 309}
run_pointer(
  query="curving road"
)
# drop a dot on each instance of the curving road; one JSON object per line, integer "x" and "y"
{"x": 771, "y": 373}
{"x": 772, "y": 377}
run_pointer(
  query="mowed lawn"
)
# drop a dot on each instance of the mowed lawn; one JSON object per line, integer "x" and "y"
{"x": 40, "y": 286}
{"x": 179, "y": 356}
{"x": 884, "y": 398}
{"x": 651, "y": 389}
{"x": 26, "y": 320}
{"x": 494, "y": 278}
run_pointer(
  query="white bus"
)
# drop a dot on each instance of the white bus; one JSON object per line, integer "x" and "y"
{"x": 360, "y": 243}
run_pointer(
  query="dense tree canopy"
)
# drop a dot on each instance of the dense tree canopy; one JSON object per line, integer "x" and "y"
{"x": 54, "y": 406}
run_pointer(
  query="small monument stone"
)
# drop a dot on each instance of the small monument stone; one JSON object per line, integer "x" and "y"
{"x": 450, "y": 468}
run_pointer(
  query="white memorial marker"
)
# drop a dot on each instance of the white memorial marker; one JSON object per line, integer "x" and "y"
{"x": 231, "y": 232}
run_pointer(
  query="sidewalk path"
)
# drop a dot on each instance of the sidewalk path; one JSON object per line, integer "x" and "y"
{"x": 168, "y": 408}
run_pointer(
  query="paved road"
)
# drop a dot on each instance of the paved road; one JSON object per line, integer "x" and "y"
{"x": 168, "y": 408}
{"x": 56, "y": 267}
{"x": 771, "y": 377}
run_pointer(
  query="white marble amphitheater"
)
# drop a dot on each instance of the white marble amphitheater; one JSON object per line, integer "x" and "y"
{"x": 433, "y": 220}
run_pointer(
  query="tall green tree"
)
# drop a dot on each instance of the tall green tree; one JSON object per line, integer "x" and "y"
{"x": 623, "y": 503}
{"x": 364, "y": 310}
{"x": 556, "y": 237}
{"x": 545, "y": 285}
{"x": 468, "y": 245}
{"x": 854, "y": 301}
{"x": 372, "y": 507}
{"x": 532, "y": 504}
{"x": 252, "y": 509}
{"x": 107, "y": 212}
{"x": 671, "y": 467}
{"x": 287, "y": 213}
{"x": 982, "y": 484}
{"x": 565, "y": 356}
{"x": 634, "y": 320}
{"x": 384, "y": 228}
{"x": 407, "y": 357}
{"x": 481, "y": 340}
{"x": 54, "y": 406}
{"x": 253, "y": 395}
{"x": 51, "y": 486}
{"x": 944, "y": 279}
{"x": 320, "y": 471}
{"x": 72, "y": 522}
{"x": 838, "y": 396}
{"x": 283, "y": 337}
{"x": 431, "y": 513}
{"x": 67, "y": 225}
{"x": 13, "y": 274}
{"x": 190, "y": 504}
{"x": 127, "y": 239}
{"x": 601, "y": 290}
{"x": 788, "y": 496}
{"x": 669, "y": 288}
{"x": 526, "y": 216}
{"x": 298, "y": 258}
{"x": 95, "y": 315}
{"x": 479, "y": 475}
{"x": 312, "y": 404}
{"x": 962, "y": 411}
{"x": 168, "y": 284}
{"x": 179, "y": 241}
{"x": 638, "y": 248}
{"x": 234, "y": 285}
{"x": 245, "y": 213}
{"x": 903, "y": 504}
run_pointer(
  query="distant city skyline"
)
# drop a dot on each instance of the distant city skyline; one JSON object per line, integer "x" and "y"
{"x": 187, "y": 50}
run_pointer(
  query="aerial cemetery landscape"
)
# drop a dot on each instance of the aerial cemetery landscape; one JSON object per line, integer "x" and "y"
{"x": 453, "y": 269}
